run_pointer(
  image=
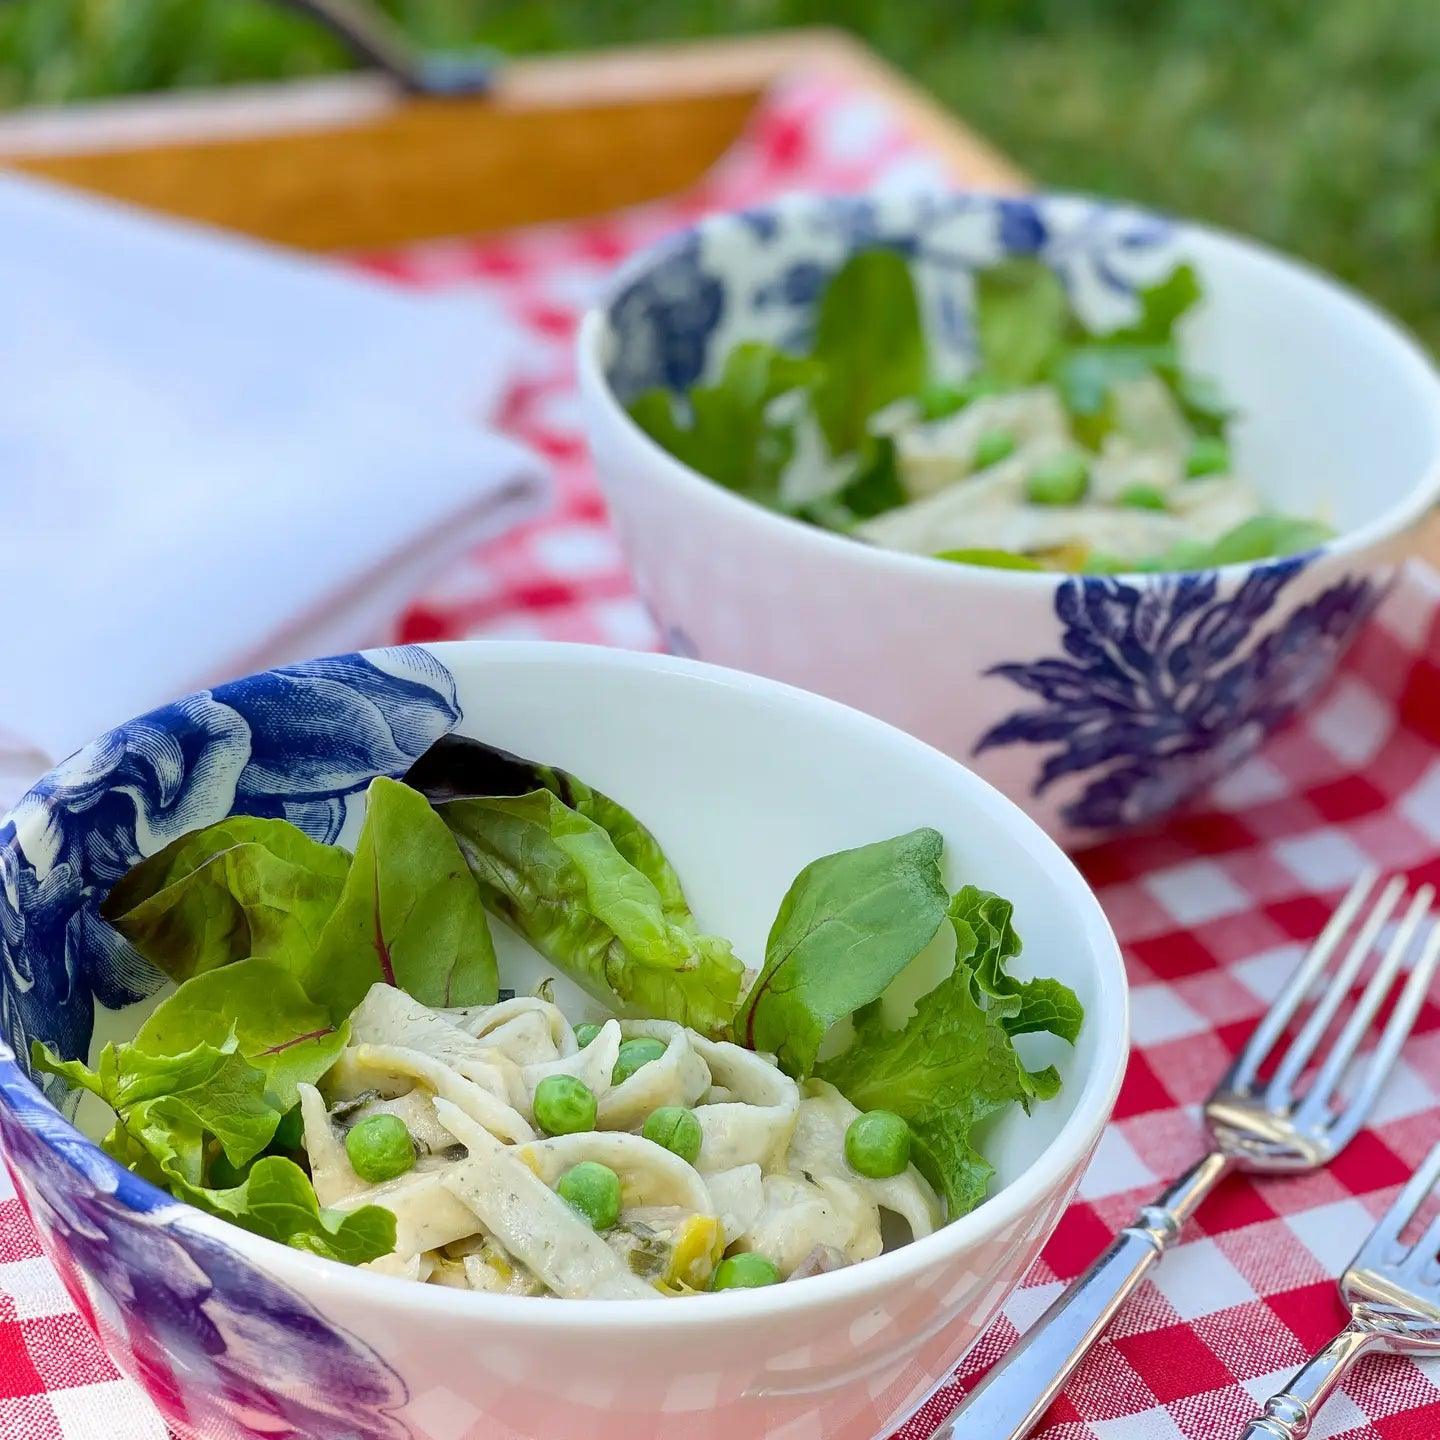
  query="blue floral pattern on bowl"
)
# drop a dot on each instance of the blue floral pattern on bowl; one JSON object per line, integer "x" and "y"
{"x": 672, "y": 319}
{"x": 1167, "y": 686}
{"x": 195, "y": 1320}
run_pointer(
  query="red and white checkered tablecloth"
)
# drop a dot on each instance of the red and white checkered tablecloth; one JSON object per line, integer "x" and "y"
{"x": 1213, "y": 911}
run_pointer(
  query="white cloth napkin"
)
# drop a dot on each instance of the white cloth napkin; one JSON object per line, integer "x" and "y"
{"x": 215, "y": 456}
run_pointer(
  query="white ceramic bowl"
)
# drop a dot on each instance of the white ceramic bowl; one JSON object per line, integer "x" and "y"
{"x": 744, "y": 781}
{"x": 1095, "y": 703}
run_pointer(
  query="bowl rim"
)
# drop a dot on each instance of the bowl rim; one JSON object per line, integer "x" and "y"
{"x": 1059, "y": 1164}
{"x": 595, "y": 386}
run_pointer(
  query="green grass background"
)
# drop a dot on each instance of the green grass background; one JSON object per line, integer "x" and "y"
{"x": 1314, "y": 124}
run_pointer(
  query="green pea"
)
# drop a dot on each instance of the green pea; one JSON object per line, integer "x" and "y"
{"x": 592, "y": 1190}
{"x": 1209, "y": 455}
{"x": 290, "y": 1132}
{"x": 677, "y": 1129}
{"x": 380, "y": 1148}
{"x": 564, "y": 1105}
{"x": 877, "y": 1144}
{"x": 634, "y": 1054}
{"x": 1061, "y": 481}
{"x": 1144, "y": 497}
{"x": 224, "y": 1175}
{"x": 746, "y": 1271}
{"x": 585, "y": 1033}
{"x": 993, "y": 447}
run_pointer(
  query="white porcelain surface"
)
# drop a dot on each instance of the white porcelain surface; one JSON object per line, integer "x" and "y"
{"x": 1340, "y": 416}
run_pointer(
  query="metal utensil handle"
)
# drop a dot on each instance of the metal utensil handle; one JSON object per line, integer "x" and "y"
{"x": 376, "y": 40}
{"x": 1010, "y": 1400}
{"x": 1290, "y": 1414}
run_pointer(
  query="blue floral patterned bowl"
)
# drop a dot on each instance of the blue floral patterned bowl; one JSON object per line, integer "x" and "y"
{"x": 1095, "y": 703}
{"x": 744, "y": 781}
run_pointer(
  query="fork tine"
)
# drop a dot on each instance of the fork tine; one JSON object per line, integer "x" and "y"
{"x": 1392, "y": 1038}
{"x": 1279, "y": 1093}
{"x": 1349, "y": 1040}
{"x": 1379, "y": 1248}
{"x": 1272, "y": 1025}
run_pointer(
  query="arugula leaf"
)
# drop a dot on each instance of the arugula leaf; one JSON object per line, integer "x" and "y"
{"x": 409, "y": 914}
{"x": 278, "y": 1201}
{"x": 275, "y": 1026}
{"x": 242, "y": 887}
{"x": 869, "y": 343}
{"x": 986, "y": 940}
{"x": 1022, "y": 317}
{"x": 622, "y": 930}
{"x": 846, "y": 928}
{"x": 949, "y": 1068}
{"x": 724, "y": 431}
{"x": 992, "y": 559}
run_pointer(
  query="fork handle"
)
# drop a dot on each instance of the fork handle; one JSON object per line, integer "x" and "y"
{"x": 1016, "y": 1393}
{"x": 1290, "y": 1414}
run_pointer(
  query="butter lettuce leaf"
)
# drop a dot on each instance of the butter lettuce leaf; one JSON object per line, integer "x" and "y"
{"x": 621, "y": 929}
{"x": 240, "y": 888}
{"x": 849, "y": 924}
{"x": 409, "y": 914}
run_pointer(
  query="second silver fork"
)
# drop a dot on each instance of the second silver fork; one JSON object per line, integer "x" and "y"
{"x": 1276, "y": 1125}
{"x": 1394, "y": 1297}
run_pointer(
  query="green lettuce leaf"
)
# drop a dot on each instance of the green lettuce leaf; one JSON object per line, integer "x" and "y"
{"x": 1264, "y": 536}
{"x": 1161, "y": 307}
{"x": 277, "y": 1200}
{"x": 869, "y": 344}
{"x": 986, "y": 941}
{"x": 409, "y": 914}
{"x": 952, "y": 1066}
{"x": 243, "y": 887}
{"x": 621, "y": 929}
{"x": 723, "y": 430}
{"x": 167, "y": 1107}
{"x": 846, "y": 928}
{"x": 274, "y": 1024}
{"x": 1022, "y": 319}
{"x": 169, "y": 1103}
{"x": 992, "y": 559}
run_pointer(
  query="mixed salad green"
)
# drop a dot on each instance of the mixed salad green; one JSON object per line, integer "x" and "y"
{"x": 1061, "y": 449}
{"x": 278, "y": 946}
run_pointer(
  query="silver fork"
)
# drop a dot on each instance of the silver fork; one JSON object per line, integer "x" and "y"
{"x": 1394, "y": 1299}
{"x": 1263, "y": 1127}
